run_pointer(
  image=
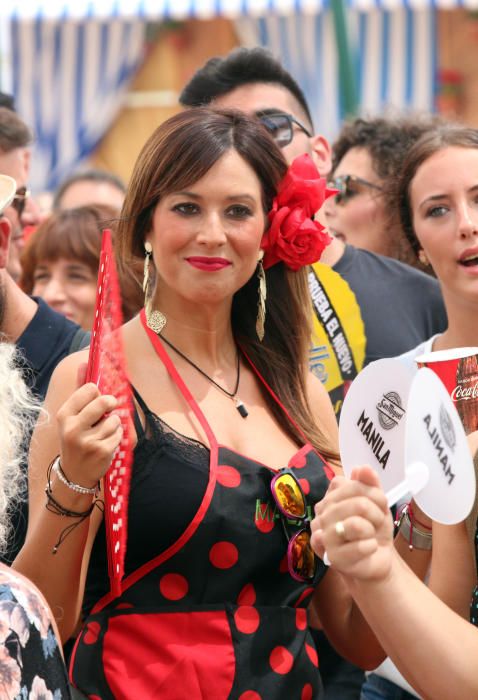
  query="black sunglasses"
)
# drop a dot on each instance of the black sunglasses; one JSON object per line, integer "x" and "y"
{"x": 350, "y": 185}
{"x": 281, "y": 126}
{"x": 20, "y": 200}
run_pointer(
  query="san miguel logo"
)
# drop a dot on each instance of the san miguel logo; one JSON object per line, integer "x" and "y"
{"x": 390, "y": 410}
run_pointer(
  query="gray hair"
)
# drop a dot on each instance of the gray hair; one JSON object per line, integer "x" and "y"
{"x": 18, "y": 413}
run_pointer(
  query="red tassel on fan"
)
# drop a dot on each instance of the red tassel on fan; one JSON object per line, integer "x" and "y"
{"x": 107, "y": 369}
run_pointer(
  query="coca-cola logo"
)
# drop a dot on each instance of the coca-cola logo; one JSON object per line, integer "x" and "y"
{"x": 390, "y": 410}
{"x": 464, "y": 393}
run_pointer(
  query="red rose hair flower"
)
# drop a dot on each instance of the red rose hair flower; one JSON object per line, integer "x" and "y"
{"x": 293, "y": 236}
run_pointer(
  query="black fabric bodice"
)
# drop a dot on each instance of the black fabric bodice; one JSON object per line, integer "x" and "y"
{"x": 170, "y": 477}
{"x": 208, "y": 609}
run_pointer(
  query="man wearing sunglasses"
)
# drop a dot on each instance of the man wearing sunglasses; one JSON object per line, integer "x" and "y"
{"x": 253, "y": 81}
{"x": 15, "y": 140}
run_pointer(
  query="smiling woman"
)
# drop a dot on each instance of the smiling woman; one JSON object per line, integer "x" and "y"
{"x": 225, "y": 232}
{"x": 60, "y": 263}
{"x": 223, "y": 206}
{"x": 69, "y": 287}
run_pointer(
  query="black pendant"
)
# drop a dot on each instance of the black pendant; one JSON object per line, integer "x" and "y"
{"x": 241, "y": 409}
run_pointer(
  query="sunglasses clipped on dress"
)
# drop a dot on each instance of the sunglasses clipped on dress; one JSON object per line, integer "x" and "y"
{"x": 290, "y": 501}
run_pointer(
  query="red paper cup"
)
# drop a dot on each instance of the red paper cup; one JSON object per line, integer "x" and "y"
{"x": 458, "y": 370}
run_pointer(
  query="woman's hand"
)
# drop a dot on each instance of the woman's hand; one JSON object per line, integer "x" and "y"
{"x": 89, "y": 434}
{"x": 354, "y": 526}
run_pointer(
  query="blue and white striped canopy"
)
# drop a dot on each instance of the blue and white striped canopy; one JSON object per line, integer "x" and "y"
{"x": 71, "y": 61}
{"x": 394, "y": 54}
{"x": 199, "y": 9}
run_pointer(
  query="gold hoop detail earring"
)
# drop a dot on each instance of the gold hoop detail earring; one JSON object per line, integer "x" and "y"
{"x": 156, "y": 320}
{"x": 422, "y": 256}
{"x": 261, "y": 302}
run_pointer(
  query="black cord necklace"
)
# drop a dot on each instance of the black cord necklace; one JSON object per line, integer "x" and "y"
{"x": 241, "y": 409}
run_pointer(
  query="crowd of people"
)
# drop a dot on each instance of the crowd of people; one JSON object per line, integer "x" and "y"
{"x": 237, "y": 239}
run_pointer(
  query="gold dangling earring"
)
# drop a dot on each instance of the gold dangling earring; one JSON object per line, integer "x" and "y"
{"x": 261, "y": 302}
{"x": 155, "y": 319}
{"x": 148, "y": 249}
{"x": 422, "y": 256}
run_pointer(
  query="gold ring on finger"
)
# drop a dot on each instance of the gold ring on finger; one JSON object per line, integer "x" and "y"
{"x": 340, "y": 529}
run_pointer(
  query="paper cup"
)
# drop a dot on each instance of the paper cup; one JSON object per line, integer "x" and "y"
{"x": 458, "y": 370}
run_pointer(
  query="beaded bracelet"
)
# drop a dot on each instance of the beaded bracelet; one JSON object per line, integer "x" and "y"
{"x": 55, "y": 507}
{"x": 84, "y": 490}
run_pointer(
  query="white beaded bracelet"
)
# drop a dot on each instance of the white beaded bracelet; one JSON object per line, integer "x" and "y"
{"x": 84, "y": 490}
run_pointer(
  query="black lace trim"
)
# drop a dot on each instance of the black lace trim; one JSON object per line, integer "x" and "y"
{"x": 159, "y": 434}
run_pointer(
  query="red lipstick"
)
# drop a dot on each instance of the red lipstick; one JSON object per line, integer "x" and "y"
{"x": 208, "y": 264}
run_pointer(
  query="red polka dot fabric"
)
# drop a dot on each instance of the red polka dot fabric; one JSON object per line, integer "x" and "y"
{"x": 301, "y": 618}
{"x": 217, "y": 611}
{"x": 223, "y": 555}
{"x": 228, "y": 476}
{"x": 312, "y": 654}
{"x": 91, "y": 632}
{"x": 299, "y": 460}
{"x": 305, "y": 486}
{"x": 247, "y": 596}
{"x": 247, "y": 619}
{"x": 281, "y": 660}
{"x": 307, "y": 692}
{"x": 173, "y": 586}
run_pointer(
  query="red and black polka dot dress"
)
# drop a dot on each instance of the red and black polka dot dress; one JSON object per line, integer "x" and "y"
{"x": 208, "y": 609}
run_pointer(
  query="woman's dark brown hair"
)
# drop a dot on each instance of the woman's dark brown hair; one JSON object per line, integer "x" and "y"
{"x": 178, "y": 154}
{"x": 443, "y": 136}
{"x": 75, "y": 234}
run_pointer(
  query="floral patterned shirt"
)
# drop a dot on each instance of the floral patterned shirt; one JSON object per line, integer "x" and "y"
{"x": 31, "y": 664}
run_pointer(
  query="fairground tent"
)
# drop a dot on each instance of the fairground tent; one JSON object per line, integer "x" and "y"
{"x": 69, "y": 64}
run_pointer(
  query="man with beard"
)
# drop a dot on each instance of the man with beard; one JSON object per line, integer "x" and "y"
{"x": 43, "y": 336}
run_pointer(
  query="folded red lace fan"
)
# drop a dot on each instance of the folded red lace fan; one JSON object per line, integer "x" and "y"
{"x": 107, "y": 369}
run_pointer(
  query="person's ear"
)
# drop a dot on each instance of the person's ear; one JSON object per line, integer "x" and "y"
{"x": 321, "y": 154}
{"x": 5, "y": 232}
{"x": 27, "y": 160}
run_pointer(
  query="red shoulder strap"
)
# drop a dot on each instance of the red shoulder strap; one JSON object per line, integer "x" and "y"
{"x": 175, "y": 376}
{"x": 329, "y": 470}
{"x": 274, "y": 395}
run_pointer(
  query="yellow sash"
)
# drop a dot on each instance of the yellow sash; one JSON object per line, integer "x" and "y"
{"x": 338, "y": 339}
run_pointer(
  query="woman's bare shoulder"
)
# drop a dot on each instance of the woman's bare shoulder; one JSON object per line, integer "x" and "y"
{"x": 319, "y": 400}
{"x": 66, "y": 375}
{"x": 323, "y": 412}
